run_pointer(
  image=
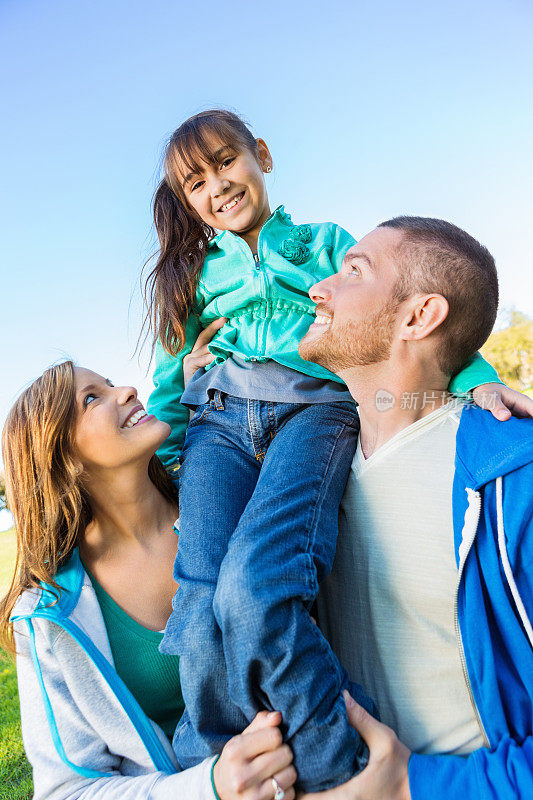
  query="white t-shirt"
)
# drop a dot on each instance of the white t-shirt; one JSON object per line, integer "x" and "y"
{"x": 388, "y": 606}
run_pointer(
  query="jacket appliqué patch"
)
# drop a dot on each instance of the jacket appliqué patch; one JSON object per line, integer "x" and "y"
{"x": 294, "y": 247}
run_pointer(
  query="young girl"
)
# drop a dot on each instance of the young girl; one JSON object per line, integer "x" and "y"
{"x": 266, "y": 456}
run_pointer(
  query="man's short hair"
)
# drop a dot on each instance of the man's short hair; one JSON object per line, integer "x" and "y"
{"x": 438, "y": 257}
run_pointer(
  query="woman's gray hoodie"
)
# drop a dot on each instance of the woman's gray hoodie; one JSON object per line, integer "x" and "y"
{"x": 84, "y": 733}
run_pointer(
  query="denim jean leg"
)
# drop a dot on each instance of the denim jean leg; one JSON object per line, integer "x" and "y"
{"x": 217, "y": 478}
{"x": 282, "y": 548}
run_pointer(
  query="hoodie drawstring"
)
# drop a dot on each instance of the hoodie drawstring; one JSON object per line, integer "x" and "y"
{"x": 506, "y": 565}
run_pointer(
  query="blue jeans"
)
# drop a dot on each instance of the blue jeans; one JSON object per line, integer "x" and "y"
{"x": 260, "y": 488}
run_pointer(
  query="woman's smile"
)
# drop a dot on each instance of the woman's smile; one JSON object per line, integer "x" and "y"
{"x": 136, "y": 416}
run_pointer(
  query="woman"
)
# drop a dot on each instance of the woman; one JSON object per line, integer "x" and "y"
{"x": 94, "y": 513}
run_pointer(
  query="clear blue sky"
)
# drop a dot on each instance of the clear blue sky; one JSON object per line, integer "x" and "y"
{"x": 370, "y": 109}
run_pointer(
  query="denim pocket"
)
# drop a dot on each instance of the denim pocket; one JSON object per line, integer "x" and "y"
{"x": 202, "y": 411}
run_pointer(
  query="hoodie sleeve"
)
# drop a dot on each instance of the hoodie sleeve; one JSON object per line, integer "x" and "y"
{"x": 474, "y": 373}
{"x": 505, "y": 773}
{"x": 164, "y": 402}
{"x": 82, "y": 746}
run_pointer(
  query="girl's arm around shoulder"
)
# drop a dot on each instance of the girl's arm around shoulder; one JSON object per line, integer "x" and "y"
{"x": 489, "y": 392}
{"x": 474, "y": 373}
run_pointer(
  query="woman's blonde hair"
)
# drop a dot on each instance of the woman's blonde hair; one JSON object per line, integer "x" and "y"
{"x": 50, "y": 506}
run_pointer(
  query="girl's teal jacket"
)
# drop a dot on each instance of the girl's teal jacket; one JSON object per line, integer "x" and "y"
{"x": 268, "y": 308}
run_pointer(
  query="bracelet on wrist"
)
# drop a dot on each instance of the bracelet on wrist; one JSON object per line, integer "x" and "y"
{"x": 213, "y": 778}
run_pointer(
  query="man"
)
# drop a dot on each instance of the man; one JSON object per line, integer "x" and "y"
{"x": 430, "y": 599}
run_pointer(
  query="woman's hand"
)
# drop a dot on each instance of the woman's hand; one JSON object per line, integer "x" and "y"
{"x": 248, "y": 762}
{"x": 200, "y": 355}
{"x": 385, "y": 777}
{"x": 503, "y": 401}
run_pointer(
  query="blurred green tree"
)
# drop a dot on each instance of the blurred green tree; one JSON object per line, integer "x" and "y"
{"x": 510, "y": 350}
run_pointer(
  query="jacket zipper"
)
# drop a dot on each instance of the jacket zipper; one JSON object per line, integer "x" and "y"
{"x": 264, "y": 292}
{"x": 261, "y": 272}
{"x": 458, "y": 634}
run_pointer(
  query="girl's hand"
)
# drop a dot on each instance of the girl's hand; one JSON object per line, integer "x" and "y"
{"x": 248, "y": 762}
{"x": 200, "y": 355}
{"x": 502, "y": 401}
{"x": 385, "y": 777}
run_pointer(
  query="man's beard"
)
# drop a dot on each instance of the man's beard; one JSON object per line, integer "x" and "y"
{"x": 353, "y": 344}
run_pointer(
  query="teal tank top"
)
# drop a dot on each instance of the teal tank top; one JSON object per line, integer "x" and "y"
{"x": 152, "y": 678}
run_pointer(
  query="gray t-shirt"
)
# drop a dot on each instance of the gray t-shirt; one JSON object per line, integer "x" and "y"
{"x": 261, "y": 380}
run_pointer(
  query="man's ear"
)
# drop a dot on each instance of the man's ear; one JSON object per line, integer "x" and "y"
{"x": 424, "y": 313}
{"x": 265, "y": 159}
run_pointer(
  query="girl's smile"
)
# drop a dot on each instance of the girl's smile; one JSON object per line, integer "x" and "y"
{"x": 227, "y": 191}
{"x": 233, "y": 203}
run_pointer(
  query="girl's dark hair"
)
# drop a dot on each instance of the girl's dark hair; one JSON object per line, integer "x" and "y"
{"x": 170, "y": 288}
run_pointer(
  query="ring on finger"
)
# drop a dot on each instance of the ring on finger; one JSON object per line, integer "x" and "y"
{"x": 279, "y": 794}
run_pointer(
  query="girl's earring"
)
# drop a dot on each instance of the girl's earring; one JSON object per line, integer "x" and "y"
{"x": 268, "y": 168}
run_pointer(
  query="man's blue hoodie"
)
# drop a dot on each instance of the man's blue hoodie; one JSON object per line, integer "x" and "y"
{"x": 493, "y": 533}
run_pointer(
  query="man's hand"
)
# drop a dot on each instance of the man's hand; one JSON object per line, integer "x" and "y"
{"x": 502, "y": 401}
{"x": 385, "y": 777}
